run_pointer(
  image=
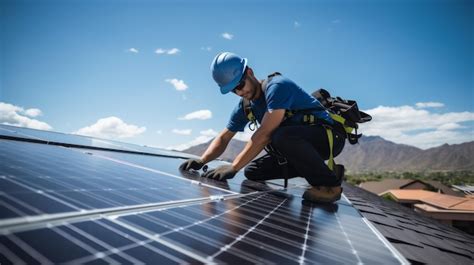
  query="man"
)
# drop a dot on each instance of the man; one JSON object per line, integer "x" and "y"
{"x": 303, "y": 146}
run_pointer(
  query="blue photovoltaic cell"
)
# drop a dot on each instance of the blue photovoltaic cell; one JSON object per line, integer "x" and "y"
{"x": 37, "y": 178}
{"x": 84, "y": 242}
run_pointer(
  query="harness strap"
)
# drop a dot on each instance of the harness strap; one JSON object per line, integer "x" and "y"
{"x": 310, "y": 120}
{"x": 282, "y": 161}
{"x": 331, "y": 145}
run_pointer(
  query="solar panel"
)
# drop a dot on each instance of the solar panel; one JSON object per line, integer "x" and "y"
{"x": 70, "y": 205}
{"x": 38, "y": 178}
{"x": 56, "y": 137}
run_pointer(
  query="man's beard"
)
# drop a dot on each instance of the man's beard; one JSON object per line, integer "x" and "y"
{"x": 254, "y": 93}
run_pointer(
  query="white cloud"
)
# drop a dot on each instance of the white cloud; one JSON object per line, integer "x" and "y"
{"x": 33, "y": 113}
{"x": 209, "y": 132}
{"x": 198, "y": 115}
{"x": 160, "y": 51}
{"x": 172, "y": 51}
{"x": 418, "y": 127}
{"x": 297, "y": 24}
{"x": 206, "y": 48}
{"x": 159, "y": 132}
{"x": 450, "y": 127}
{"x": 227, "y": 36}
{"x": 182, "y": 132}
{"x": 17, "y": 116}
{"x": 133, "y": 50}
{"x": 111, "y": 128}
{"x": 178, "y": 84}
{"x": 423, "y": 105}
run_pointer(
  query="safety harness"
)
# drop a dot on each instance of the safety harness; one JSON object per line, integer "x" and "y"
{"x": 344, "y": 113}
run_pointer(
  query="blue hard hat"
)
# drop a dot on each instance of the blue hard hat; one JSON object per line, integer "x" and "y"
{"x": 227, "y": 70}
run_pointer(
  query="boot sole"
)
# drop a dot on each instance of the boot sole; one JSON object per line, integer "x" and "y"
{"x": 323, "y": 199}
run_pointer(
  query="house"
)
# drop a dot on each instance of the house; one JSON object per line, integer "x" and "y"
{"x": 379, "y": 187}
{"x": 451, "y": 210}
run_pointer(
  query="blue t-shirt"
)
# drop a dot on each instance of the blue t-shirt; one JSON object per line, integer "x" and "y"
{"x": 281, "y": 93}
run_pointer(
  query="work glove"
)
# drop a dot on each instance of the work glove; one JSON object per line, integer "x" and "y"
{"x": 220, "y": 173}
{"x": 195, "y": 164}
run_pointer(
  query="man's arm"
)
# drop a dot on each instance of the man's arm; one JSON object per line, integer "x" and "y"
{"x": 218, "y": 146}
{"x": 261, "y": 137}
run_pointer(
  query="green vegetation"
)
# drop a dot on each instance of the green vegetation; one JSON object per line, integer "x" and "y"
{"x": 446, "y": 177}
{"x": 389, "y": 197}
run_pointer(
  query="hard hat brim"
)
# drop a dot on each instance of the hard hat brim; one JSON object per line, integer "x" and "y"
{"x": 231, "y": 85}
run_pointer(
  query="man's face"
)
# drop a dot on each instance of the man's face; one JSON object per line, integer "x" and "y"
{"x": 247, "y": 88}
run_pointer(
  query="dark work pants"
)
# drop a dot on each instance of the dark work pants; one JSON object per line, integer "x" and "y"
{"x": 306, "y": 148}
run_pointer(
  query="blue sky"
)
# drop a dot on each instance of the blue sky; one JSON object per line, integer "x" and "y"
{"x": 138, "y": 71}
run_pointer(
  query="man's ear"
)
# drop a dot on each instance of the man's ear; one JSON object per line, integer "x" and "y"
{"x": 250, "y": 72}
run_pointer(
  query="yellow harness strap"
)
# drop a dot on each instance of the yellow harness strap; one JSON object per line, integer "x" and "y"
{"x": 331, "y": 144}
{"x": 310, "y": 119}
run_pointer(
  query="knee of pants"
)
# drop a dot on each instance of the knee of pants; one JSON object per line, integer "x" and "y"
{"x": 251, "y": 173}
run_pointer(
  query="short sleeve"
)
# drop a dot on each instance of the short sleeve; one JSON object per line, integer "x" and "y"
{"x": 278, "y": 96}
{"x": 237, "y": 120}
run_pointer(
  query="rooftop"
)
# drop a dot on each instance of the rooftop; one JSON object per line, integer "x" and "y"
{"x": 440, "y": 201}
{"x": 379, "y": 187}
{"x": 67, "y": 198}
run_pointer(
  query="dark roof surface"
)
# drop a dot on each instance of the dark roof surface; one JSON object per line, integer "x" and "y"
{"x": 418, "y": 238}
{"x": 444, "y": 189}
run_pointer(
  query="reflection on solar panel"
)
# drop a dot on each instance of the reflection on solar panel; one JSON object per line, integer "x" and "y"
{"x": 61, "y": 204}
{"x": 82, "y": 141}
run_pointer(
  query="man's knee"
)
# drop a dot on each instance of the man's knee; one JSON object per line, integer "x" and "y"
{"x": 251, "y": 172}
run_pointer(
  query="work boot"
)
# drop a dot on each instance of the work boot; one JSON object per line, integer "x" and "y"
{"x": 323, "y": 194}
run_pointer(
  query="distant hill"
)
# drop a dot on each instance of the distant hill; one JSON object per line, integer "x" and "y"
{"x": 233, "y": 149}
{"x": 377, "y": 154}
{"x": 374, "y": 154}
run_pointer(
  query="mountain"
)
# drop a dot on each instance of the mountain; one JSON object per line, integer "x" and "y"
{"x": 374, "y": 153}
{"x": 233, "y": 149}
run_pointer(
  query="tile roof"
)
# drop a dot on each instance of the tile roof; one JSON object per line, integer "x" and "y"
{"x": 420, "y": 239}
{"x": 438, "y": 200}
{"x": 379, "y": 187}
{"x": 410, "y": 194}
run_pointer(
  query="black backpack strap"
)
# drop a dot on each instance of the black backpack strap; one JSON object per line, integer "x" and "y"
{"x": 265, "y": 82}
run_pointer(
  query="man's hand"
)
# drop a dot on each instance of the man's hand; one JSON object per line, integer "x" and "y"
{"x": 221, "y": 173}
{"x": 195, "y": 164}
